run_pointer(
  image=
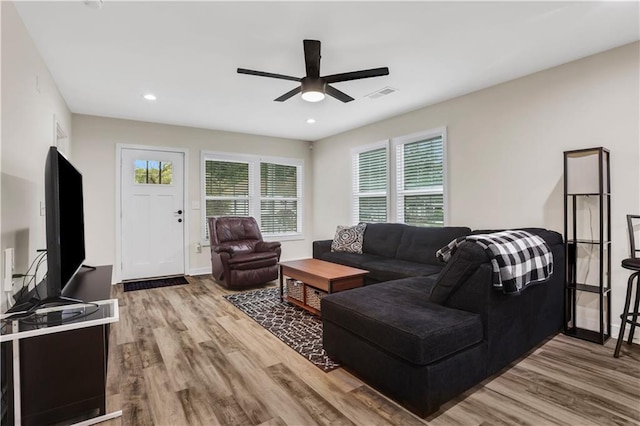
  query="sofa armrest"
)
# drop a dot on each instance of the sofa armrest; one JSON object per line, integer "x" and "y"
{"x": 513, "y": 324}
{"x": 235, "y": 247}
{"x": 222, "y": 249}
{"x": 267, "y": 246}
{"x": 320, "y": 247}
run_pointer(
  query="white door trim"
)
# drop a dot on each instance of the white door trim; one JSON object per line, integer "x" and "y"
{"x": 117, "y": 267}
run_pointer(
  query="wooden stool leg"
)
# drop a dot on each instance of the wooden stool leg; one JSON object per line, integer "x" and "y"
{"x": 623, "y": 317}
{"x": 634, "y": 317}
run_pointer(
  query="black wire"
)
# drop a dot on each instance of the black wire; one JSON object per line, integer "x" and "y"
{"x": 35, "y": 274}
{"x": 38, "y": 258}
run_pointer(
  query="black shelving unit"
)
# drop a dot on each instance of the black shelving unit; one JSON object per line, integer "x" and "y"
{"x": 587, "y": 182}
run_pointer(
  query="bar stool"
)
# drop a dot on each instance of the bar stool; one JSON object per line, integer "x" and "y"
{"x": 633, "y": 264}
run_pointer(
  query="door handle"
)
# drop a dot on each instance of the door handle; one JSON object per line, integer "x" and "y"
{"x": 179, "y": 220}
{"x": 179, "y": 212}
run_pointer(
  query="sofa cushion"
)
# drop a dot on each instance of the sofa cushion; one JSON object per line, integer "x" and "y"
{"x": 382, "y": 239}
{"x": 349, "y": 238}
{"x": 349, "y": 259}
{"x": 398, "y": 317}
{"x": 391, "y": 269}
{"x": 420, "y": 244}
{"x": 235, "y": 228}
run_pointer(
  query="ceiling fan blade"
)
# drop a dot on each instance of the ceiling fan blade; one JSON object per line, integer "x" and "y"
{"x": 267, "y": 74}
{"x": 341, "y": 96}
{"x": 312, "y": 58}
{"x": 356, "y": 75}
{"x": 289, "y": 94}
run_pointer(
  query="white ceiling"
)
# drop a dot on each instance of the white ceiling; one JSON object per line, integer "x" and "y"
{"x": 186, "y": 53}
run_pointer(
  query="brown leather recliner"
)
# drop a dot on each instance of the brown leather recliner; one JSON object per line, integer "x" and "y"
{"x": 239, "y": 256}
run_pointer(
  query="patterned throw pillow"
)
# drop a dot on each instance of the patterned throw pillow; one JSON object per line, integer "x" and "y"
{"x": 349, "y": 238}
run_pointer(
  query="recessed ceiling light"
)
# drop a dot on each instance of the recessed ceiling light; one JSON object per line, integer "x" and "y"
{"x": 311, "y": 120}
{"x": 150, "y": 97}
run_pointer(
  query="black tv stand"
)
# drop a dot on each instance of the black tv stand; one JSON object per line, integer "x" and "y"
{"x": 63, "y": 374}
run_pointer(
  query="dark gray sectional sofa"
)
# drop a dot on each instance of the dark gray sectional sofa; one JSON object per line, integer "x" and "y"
{"x": 392, "y": 251}
{"x": 426, "y": 331}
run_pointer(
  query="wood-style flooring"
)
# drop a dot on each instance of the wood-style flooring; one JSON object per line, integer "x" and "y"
{"x": 183, "y": 355}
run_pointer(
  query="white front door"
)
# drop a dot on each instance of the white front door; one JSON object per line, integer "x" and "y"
{"x": 152, "y": 213}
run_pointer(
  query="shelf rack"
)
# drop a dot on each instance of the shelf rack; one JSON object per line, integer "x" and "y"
{"x": 586, "y": 176}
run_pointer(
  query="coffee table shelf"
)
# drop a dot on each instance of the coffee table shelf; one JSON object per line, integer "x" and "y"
{"x": 320, "y": 276}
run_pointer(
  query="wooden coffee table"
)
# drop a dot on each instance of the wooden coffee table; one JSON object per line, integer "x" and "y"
{"x": 318, "y": 278}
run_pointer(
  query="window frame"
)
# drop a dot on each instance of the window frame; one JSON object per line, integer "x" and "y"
{"x": 255, "y": 197}
{"x": 355, "y": 179}
{"x": 298, "y": 164}
{"x": 395, "y": 175}
{"x": 400, "y": 192}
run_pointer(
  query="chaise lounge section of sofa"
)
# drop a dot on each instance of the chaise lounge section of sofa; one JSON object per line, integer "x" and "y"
{"x": 423, "y": 340}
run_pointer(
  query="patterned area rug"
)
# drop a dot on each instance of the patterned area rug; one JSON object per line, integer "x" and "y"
{"x": 163, "y": 282}
{"x": 294, "y": 326}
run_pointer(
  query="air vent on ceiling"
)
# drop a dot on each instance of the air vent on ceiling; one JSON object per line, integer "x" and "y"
{"x": 94, "y": 4}
{"x": 382, "y": 92}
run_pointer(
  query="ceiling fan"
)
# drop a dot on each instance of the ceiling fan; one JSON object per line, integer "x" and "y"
{"x": 314, "y": 87}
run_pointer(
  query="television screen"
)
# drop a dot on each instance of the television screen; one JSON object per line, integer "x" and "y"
{"x": 65, "y": 221}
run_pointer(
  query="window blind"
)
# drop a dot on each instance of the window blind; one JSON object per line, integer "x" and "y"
{"x": 226, "y": 179}
{"x": 372, "y": 209}
{"x": 280, "y": 189}
{"x": 372, "y": 169}
{"x": 420, "y": 182}
{"x": 370, "y": 185}
{"x": 226, "y": 186}
{"x": 425, "y": 210}
{"x": 423, "y": 166}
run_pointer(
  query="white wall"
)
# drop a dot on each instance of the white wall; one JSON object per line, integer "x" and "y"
{"x": 505, "y": 150}
{"x": 94, "y": 148}
{"x": 30, "y": 101}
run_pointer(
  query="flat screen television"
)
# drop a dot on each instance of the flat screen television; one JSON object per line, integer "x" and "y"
{"x": 64, "y": 209}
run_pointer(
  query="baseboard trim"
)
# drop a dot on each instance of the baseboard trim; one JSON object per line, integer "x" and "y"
{"x": 193, "y": 271}
{"x": 200, "y": 271}
{"x": 615, "y": 330}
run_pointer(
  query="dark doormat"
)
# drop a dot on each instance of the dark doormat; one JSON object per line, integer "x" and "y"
{"x": 160, "y": 282}
{"x": 299, "y": 329}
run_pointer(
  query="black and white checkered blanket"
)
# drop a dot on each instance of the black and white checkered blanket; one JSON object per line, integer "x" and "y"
{"x": 519, "y": 258}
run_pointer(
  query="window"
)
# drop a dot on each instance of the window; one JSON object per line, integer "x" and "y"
{"x": 226, "y": 188}
{"x": 406, "y": 187}
{"x": 149, "y": 172}
{"x": 420, "y": 181}
{"x": 279, "y": 189}
{"x": 269, "y": 189}
{"x": 370, "y": 183}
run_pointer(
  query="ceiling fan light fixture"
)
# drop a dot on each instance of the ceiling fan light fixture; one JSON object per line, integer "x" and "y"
{"x": 313, "y": 89}
{"x": 312, "y": 96}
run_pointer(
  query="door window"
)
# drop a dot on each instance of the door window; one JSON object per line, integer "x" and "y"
{"x": 151, "y": 172}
